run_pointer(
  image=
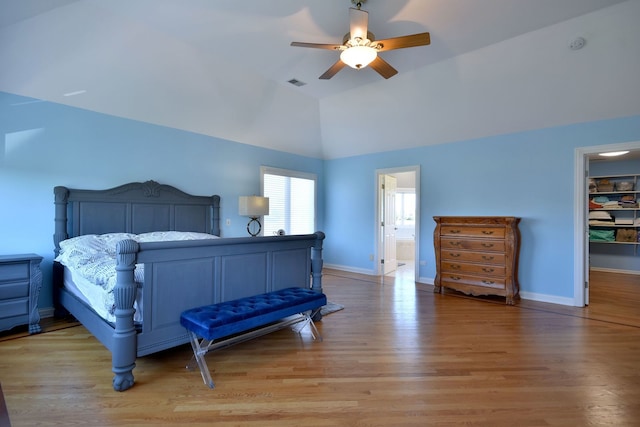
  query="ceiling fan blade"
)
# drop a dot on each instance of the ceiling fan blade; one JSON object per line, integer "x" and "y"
{"x": 358, "y": 23}
{"x": 383, "y": 68}
{"x": 339, "y": 65}
{"x": 317, "y": 45}
{"x": 413, "y": 40}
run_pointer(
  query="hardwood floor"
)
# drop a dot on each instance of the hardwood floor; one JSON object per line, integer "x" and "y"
{"x": 397, "y": 355}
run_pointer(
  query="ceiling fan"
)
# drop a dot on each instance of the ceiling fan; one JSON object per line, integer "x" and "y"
{"x": 359, "y": 47}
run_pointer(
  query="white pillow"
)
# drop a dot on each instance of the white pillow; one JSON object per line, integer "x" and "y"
{"x": 82, "y": 250}
{"x": 110, "y": 240}
{"x": 86, "y": 242}
{"x": 166, "y": 236}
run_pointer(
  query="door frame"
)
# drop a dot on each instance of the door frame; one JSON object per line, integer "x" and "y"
{"x": 378, "y": 250}
{"x": 580, "y": 225}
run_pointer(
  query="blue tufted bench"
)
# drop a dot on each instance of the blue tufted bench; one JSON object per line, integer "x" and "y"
{"x": 226, "y": 323}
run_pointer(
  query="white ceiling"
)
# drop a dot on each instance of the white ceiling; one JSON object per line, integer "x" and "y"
{"x": 221, "y": 67}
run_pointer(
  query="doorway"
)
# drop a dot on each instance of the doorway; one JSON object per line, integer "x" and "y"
{"x": 397, "y": 224}
{"x": 581, "y": 226}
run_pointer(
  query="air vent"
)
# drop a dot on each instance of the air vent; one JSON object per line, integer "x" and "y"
{"x": 296, "y": 82}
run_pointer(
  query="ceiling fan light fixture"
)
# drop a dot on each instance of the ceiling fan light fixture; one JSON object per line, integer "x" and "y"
{"x": 358, "y": 57}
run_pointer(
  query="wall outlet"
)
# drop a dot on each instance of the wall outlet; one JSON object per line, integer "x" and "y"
{"x": 228, "y": 221}
{"x": 370, "y": 257}
{"x": 423, "y": 262}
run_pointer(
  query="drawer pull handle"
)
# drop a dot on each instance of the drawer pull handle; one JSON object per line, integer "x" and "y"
{"x": 488, "y": 270}
{"x": 455, "y": 277}
{"x": 455, "y": 266}
{"x": 487, "y": 245}
{"x": 455, "y": 243}
{"x": 488, "y": 282}
{"x": 487, "y": 258}
{"x": 455, "y": 231}
{"x": 454, "y": 255}
{"x": 487, "y": 232}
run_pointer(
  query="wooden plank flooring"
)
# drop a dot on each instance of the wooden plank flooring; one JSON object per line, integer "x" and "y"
{"x": 397, "y": 355}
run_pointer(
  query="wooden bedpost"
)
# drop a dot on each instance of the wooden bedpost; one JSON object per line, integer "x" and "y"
{"x": 125, "y": 337}
{"x": 316, "y": 267}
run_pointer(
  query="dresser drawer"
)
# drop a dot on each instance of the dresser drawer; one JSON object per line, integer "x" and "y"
{"x": 15, "y": 307}
{"x": 472, "y": 244}
{"x": 454, "y": 279}
{"x": 13, "y": 271}
{"x": 473, "y": 231}
{"x": 20, "y": 282}
{"x": 479, "y": 257}
{"x": 14, "y": 290}
{"x": 479, "y": 269}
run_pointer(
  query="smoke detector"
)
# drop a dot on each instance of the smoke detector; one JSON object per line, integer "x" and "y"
{"x": 577, "y": 43}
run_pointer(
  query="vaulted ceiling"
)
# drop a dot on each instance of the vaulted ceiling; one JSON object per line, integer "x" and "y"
{"x": 222, "y": 67}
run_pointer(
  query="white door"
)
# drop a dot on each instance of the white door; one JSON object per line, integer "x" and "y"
{"x": 388, "y": 191}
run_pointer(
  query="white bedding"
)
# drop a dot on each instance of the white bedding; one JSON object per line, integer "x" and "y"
{"x": 91, "y": 260}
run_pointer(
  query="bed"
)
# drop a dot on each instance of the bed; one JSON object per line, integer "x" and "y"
{"x": 156, "y": 280}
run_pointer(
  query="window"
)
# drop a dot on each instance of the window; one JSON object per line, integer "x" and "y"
{"x": 405, "y": 207}
{"x": 292, "y": 201}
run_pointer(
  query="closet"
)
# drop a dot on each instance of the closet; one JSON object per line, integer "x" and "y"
{"x": 614, "y": 215}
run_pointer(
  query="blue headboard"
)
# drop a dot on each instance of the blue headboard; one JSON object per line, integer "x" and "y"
{"x": 137, "y": 207}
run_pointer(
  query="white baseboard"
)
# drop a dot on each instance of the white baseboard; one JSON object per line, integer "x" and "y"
{"x": 349, "y": 269}
{"x": 524, "y": 295}
{"x": 46, "y": 312}
{"x": 552, "y": 299}
{"x": 426, "y": 280}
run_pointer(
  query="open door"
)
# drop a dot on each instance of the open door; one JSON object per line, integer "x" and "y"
{"x": 388, "y": 223}
{"x": 385, "y": 187}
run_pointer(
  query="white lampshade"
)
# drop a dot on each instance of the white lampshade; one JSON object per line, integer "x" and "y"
{"x": 253, "y": 206}
{"x": 358, "y": 56}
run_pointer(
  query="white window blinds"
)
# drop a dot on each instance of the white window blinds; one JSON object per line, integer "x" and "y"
{"x": 292, "y": 201}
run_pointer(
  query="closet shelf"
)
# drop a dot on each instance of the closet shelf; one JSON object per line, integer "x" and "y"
{"x": 614, "y": 198}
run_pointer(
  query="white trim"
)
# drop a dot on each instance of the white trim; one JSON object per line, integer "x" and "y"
{"x": 46, "y": 312}
{"x": 349, "y": 269}
{"x": 552, "y": 299}
{"x": 580, "y": 248}
{"x": 287, "y": 172}
{"x": 426, "y": 280}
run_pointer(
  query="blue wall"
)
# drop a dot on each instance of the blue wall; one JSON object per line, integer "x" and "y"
{"x": 46, "y": 144}
{"x": 528, "y": 175}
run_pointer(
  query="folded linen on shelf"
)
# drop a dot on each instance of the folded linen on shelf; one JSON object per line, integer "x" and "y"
{"x": 601, "y": 235}
{"x": 626, "y": 235}
{"x": 599, "y": 215}
{"x": 611, "y": 205}
{"x": 624, "y": 221}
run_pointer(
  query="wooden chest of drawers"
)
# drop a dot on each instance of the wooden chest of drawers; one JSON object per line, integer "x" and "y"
{"x": 20, "y": 283}
{"x": 478, "y": 255}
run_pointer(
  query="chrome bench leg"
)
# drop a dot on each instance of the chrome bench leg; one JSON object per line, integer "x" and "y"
{"x": 200, "y": 348}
